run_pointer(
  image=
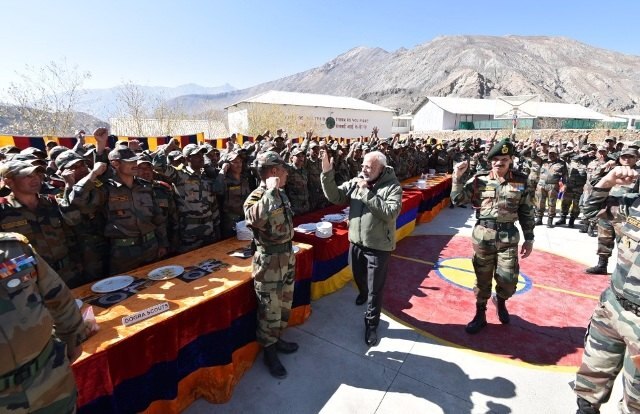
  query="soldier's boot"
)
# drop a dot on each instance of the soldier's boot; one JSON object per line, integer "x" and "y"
{"x": 593, "y": 230}
{"x": 271, "y": 360}
{"x": 501, "y": 309}
{"x": 550, "y": 223}
{"x": 562, "y": 221}
{"x": 585, "y": 407}
{"x": 479, "y": 321}
{"x": 584, "y": 228}
{"x": 600, "y": 268}
{"x": 538, "y": 221}
{"x": 572, "y": 222}
{"x": 286, "y": 347}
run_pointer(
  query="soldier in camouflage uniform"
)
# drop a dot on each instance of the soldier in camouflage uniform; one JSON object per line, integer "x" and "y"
{"x": 574, "y": 186}
{"x": 39, "y": 319}
{"x": 297, "y": 183}
{"x": 612, "y": 342}
{"x": 232, "y": 186}
{"x": 38, "y": 218}
{"x": 195, "y": 197}
{"x": 135, "y": 224}
{"x": 500, "y": 197}
{"x": 354, "y": 160}
{"x": 552, "y": 171}
{"x": 607, "y": 231}
{"x": 313, "y": 165}
{"x": 268, "y": 214}
{"x": 596, "y": 169}
{"x": 163, "y": 193}
{"x": 87, "y": 222}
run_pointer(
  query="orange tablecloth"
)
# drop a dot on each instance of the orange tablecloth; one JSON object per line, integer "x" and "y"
{"x": 434, "y": 198}
{"x": 199, "y": 348}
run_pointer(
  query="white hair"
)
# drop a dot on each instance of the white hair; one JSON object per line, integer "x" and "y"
{"x": 380, "y": 158}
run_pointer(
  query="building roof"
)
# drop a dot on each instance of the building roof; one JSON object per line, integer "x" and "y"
{"x": 312, "y": 99}
{"x": 470, "y": 106}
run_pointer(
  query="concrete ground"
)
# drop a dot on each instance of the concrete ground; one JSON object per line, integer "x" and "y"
{"x": 407, "y": 372}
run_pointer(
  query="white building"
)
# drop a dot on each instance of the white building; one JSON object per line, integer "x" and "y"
{"x": 338, "y": 116}
{"x": 160, "y": 127}
{"x": 447, "y": 113}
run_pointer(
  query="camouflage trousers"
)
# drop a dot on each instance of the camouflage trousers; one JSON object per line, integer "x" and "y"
{"x": 95, "y": 251}
{"x": 606, "y": 238}
{"x": 546, "y": 196}
{"x": 126, "y": 258}
{"x": 52, "y": 390}
{"x": 193, "y": 236}
{"x": 273, "y": 276}
{"x": 611, "y": 344}
{"x": 495, "y": 256}
{"x": 571, "y": 201}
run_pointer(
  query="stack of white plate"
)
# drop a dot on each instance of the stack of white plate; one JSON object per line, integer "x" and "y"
{"x": 242, "y": 231}
{"x": 335, "y": 218}
{"x": 324, "y": 229}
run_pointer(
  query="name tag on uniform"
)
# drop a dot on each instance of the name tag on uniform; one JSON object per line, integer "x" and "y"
{"x": 278, "y": 211}
{"x": 14, "y": 224}
{"x": 633, "y": 222}
{"x": 488, "y": 193}
{"x": 233, "y": 187}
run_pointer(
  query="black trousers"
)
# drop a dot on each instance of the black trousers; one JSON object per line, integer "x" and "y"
{"x": 369, "y": 268}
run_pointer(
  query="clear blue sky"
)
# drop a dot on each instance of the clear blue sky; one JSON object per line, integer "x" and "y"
{"x": 244, "y": 43}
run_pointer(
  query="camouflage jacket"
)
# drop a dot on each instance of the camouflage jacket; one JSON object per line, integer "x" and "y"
{"x": 355, "y": 165}
{"x": 195, "y": 193}
{"x": 44, "y": 226}
{"x": 129, "y": 212}
{"x": 297, "y": 190}
{"x": 314, "y": 169}
{"x": 232, "y": 193}
{"x": 268, "y": 213}
{"x": 624, "y": 210}
{"x": 553, "y": 172}
{"x": 34, "y": 302}
{"x": 504, "y": 200}
{"x": 163, "y": 193}
{"x": 577, "y": 174}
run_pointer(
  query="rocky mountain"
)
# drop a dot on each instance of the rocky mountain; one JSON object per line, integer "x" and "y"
{"x": 103, "y": 103}
{"x": 557, "y": 68}
{"x": 13, "y": 123}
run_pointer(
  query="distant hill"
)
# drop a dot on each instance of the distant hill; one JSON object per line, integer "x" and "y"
{"x": 103, "y": 103}
{"x": 12, "y": 124}
{"x": 557, "y": 68}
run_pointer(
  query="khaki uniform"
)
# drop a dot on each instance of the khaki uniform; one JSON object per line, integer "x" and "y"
{"x": 197, "y": 204}
{"x": 577, "y": 178}
{"x": 134, "y": 222}
{"x": 498, "y": 203}
{"x": 163, "y": 193}
{"x": 48, "y": 232}
{"x": 612, "y": 344}
{"x": 233, "y": 193}
{"x": 317, "y": 199}
{"x": 35, "y": 375}
{"x": 268, "y": 213}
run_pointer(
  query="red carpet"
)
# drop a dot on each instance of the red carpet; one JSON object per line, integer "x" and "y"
{"x": 549, "y": 313}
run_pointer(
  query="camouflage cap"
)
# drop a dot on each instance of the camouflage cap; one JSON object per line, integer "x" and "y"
{"x": 122, "y": 153}
{"x": 34, "y": 151}
{"x": 191, "y": 149}
{"x": 610, "y": 139}
{"x": 504, "y": 147}
{"x": 629, "y": 151}
{"x": 10, "y": 149}
{"x": 67, "y": 158}
{"x": 232, "y": 155}
{"x": 56, "y": 151}
{"x": 145, "y": 158}
{"x": 602, "y": 148}
{"x": 635, "y": 144}
{"x": 14, "y": 168}
{"x": 175, "y": 155}
{"x": 313, "y": 144}
{"x": 269, "y": 158}
{"x": 553, "y": 149}
{"x": 296, "y": 151}
{"x": 208, "y": 146}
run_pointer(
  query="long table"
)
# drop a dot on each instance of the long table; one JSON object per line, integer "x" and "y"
{"x": 433, "y": 198}
{"x": 331, "y": 255}
{"x": 200, "y": 347}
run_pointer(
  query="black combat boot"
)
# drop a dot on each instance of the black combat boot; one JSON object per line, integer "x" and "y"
{"x": 562, "y": 221}
{"x": 276, "y": 369}
{"x": 479, "y": 321}
{"x": 585, "y": 407}
{"x": 584, "y": 228}
{"x": 550, "y": 223}
{"x": 286, "y": 347}
{"x": 572, "y": 222}
{"x": 593, "y": 230}
{"x": 371, "y": 335}
{"x": 501, "y": 309}
{"x": 600, "y": 268}
{"x": 538, "y": 221}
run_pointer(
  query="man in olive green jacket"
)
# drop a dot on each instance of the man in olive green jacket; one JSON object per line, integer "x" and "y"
{"x": 375, "y": 200}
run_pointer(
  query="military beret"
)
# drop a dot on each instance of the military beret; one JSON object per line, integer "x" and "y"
{"x": 504, "y": 147}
